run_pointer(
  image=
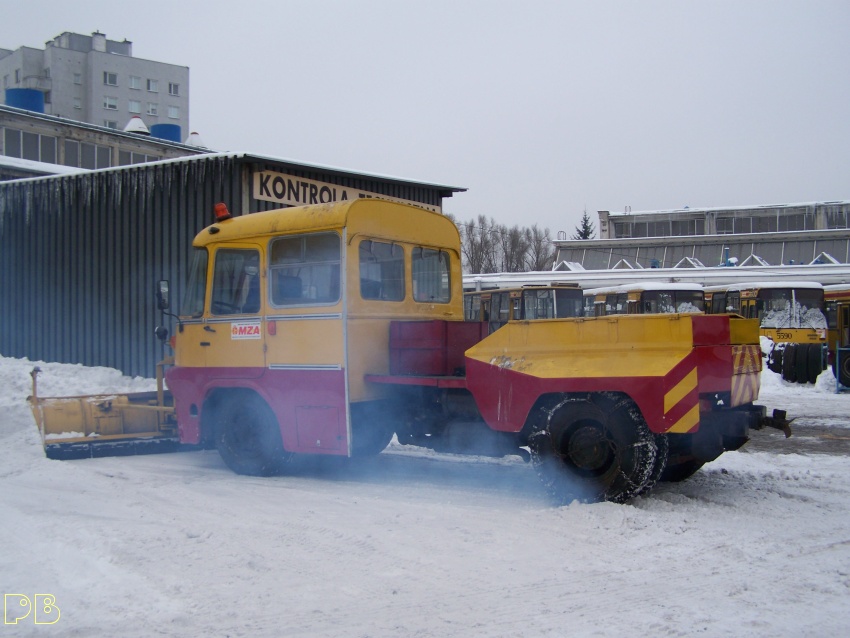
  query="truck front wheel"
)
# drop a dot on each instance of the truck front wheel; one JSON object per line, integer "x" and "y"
{"x": 593, "y": 448}
{"x": 247, "y": 436}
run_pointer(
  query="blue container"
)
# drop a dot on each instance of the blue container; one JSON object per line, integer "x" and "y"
{"x": 170, "y": 132}
{"x": 28, "y": 99}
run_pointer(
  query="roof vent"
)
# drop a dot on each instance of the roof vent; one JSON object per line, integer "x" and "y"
{"x": 136, "y": 125}
{"x": 195, "y": 140}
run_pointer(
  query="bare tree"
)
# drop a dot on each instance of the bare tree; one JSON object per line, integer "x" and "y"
{"x": 541, "y": 253}
{"x": 490, "y": 247}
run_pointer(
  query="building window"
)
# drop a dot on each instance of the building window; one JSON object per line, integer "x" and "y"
{"x": 103, "y": 156}
{"x": 48, "y": 149}
{"x": 153, "y": 108}
{"x": 78, "y": 78}
{"x": 110, "y": 124}
{"x": 135, "y": 106}
{"x": 78, "y": 104}
{"x": 47, "y": 71}
{"x": 29, "y": 146}
{"x": 174, "y": 112}
{"x": 173, "y": 89}
{"x": 12, "y": 142}
{"x": 110, "y": 79}
{"x": 47, "y": 97}
{"x": 17, "y": 76}
{"x": 153, "y": 86}
{"x": 110, "y": 103}
{"x": 83, "y": 155}
{"x": 135, "y": 82}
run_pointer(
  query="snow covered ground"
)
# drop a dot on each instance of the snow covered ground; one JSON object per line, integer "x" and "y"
{"x": 418, "y": 544}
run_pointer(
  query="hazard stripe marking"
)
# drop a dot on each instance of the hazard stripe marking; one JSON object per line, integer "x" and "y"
{"x": 680, "y": 390}
{"x": 687, "y": 422}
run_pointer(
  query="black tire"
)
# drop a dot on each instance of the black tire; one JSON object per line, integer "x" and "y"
{"x": 774, "y": 360}
{"x": 802, "y": 362}
{"x": 789, "y": 363}
{"x": 371, "y": 429}
{"x": 674, "y": 473}
{"x": 843, "y": 372}
{"x": 815, "y": 362}
{"x": 662, "y": 453}
{"x": 247, "y": 436}
{"x": 594, "y": 448}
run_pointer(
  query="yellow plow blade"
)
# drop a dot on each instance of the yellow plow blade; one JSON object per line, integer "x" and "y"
{"x": 105, "y": 425}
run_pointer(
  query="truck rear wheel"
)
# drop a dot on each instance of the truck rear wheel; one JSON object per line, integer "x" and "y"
{"x": 594, "y": 448}
{"x": 371, "y": 428}
{"x": 247, "y": 436}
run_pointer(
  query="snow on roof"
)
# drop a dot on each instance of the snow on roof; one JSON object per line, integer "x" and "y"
{"x": 643, "y": 286}
{"x": 41, "y": 167}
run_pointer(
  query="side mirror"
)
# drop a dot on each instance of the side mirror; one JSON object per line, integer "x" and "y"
{"x": 161, "y": 333}
{"x": 162, "y": 301}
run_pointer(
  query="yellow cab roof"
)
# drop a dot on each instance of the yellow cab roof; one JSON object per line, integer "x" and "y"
{"x": 370, "y": 216}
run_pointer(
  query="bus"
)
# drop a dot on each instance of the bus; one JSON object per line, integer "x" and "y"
{"x": 643, "y": 299}
{"x": 837, "y": 303}
{"x": 790, "y": 314}
{"x": 498, "y": 306}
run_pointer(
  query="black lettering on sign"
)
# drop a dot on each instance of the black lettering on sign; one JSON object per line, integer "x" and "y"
{"x": 264, "y": 185}
{"x": 292, "y": 191}
{"x": 279, "y": 187}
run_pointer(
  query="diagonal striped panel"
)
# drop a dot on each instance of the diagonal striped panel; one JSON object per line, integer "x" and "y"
{"x": 687, "y": 423}
{"x": 680, "y": 390}
{"x": 681, "y": 404}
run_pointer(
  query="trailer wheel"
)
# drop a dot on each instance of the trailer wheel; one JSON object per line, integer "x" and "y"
{"x": 594, "y": 448}
{"x": 789, "y": 363}
{"x": 247, "y": 436}
{"x": 680, "y": 471}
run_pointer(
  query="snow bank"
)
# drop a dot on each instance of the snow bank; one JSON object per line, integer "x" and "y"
{"x": 417, "y": 543}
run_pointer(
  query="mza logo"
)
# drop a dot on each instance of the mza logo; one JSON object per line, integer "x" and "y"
{"x": 42, "y": 607}
{"x": 245, "y": 330}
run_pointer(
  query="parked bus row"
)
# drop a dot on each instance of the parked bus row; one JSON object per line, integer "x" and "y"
{"x": 805, "y": 321}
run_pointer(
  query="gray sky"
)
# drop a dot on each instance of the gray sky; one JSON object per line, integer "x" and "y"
{"x": 540, "y": 109}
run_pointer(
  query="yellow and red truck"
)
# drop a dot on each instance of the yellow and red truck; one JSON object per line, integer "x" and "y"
{"x": 329, "y": 329}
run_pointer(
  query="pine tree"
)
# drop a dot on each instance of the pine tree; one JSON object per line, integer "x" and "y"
{"x": 586, "y": 230}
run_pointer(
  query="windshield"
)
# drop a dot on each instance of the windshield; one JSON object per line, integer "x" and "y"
{"x": 790, "y": 308}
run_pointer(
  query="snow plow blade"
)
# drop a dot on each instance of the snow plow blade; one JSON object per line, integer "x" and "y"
{"x": 105, "y": 425}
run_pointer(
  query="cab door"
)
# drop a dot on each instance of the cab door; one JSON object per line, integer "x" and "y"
{"x": 233, "y": 334}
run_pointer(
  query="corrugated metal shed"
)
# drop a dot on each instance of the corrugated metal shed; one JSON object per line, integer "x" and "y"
{"x": 80, "y": 255}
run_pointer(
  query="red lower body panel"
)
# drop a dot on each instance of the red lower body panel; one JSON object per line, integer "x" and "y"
{"x": 309, "y": 403}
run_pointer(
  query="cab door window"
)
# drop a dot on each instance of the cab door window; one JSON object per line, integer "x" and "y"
{"x": 236, "y": 282}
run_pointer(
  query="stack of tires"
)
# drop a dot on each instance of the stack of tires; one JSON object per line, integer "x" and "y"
{"x": 799, "y": 362}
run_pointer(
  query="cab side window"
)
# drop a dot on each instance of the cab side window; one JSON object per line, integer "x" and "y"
{"x": 431, "y": 281}
{"x": 381, "y": 271}
{"x": 305, "y": 270}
